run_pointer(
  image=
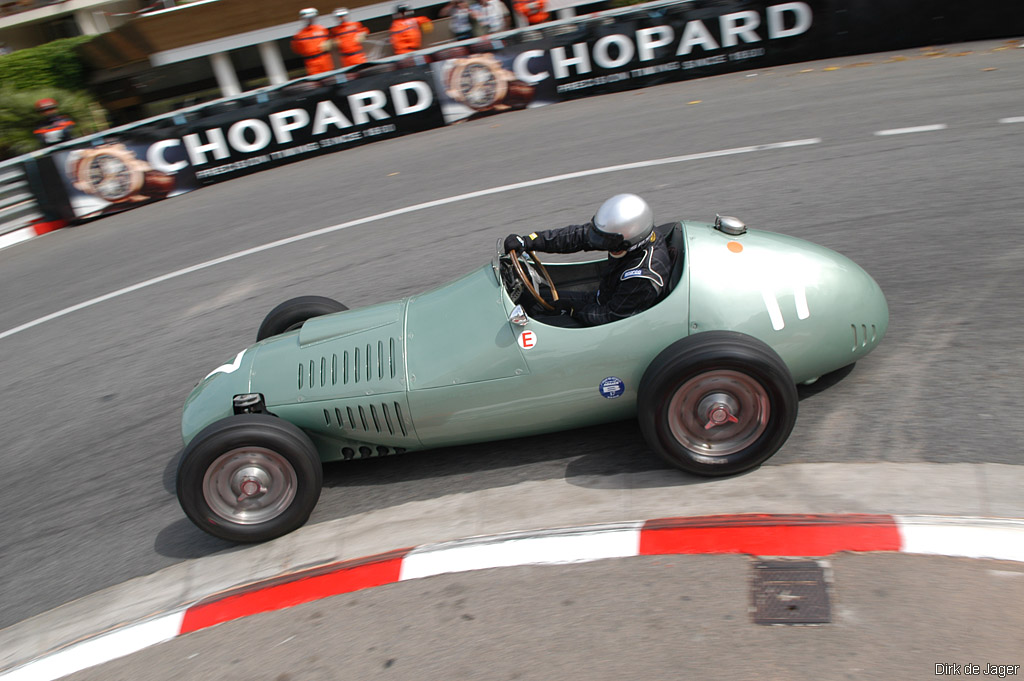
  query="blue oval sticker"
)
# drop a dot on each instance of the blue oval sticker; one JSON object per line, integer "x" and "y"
{"x": 612, "y": 387}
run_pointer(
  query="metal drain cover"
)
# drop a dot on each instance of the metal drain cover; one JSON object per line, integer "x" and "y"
{"x": 790, "y": 592}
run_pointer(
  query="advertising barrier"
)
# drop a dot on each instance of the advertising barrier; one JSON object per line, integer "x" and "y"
{"x": 605, "y": 52}
{"x": 489, "y": 78}
{"x": 306, "y": 119}
{"x": 127, "y": 168}
{"x": 676, "y": 42}
{"x": 114, "y": 176}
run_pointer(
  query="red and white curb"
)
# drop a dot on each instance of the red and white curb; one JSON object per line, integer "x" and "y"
{"x": 30, "y": 232}
{"x": 760, "y": 535}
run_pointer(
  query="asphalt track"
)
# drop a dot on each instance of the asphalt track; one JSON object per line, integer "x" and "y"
{"x": 92, "y": 398}
{"x": 652, "y": 617}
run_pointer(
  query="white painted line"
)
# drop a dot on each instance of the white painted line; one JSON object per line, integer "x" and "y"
{"x": 969, "y": 541}
{"x": 95, "y": 651}
{"x": 402, "y": 211}
{"x": 1012, "y": 119}
{"x": 907, "y": 131}
{"x": 17, "y": 236}
{"x": 543, "y": 550}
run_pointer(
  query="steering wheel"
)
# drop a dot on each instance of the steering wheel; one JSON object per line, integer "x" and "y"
{"x": 517, "y": 265}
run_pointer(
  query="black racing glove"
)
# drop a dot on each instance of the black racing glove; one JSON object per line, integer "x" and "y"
{"x": 514, "y": 242}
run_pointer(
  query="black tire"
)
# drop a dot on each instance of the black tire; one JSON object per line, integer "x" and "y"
{"x": 270, "y": 458}
{"x": 735, "y": 383}
{"x": 291, "y": 314}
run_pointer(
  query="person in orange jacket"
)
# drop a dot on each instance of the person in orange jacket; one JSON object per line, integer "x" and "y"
{"x": 407, "y": 30}
{"x": 55, "y": 127}
{"x": 349, "y": 36}
{"x": 313, "y": 43}
{"x": 533, "y": 10}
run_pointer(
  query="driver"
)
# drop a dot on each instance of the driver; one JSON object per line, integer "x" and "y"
{"x": 635, "y": 273}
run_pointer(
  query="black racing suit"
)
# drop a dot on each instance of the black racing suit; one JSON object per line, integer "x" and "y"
{"x": 630, "y": 284}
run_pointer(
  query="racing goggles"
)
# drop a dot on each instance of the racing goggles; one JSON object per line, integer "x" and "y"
{"x": 600, "y": 241}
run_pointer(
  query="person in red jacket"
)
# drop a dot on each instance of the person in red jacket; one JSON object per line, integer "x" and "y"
{"x": 407, "y": 30}
{"x": 533, "y": 10}
{"x": 349, "y": 36}
{"x": 313, "y": 43}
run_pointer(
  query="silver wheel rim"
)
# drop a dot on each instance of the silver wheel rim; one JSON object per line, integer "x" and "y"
{"x": 719, "y": 412}
{"x": 250, "y": 485}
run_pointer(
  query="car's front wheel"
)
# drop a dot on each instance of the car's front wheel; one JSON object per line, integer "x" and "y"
{"x": 293, "y": 313}
{"x": 717, "y": 403}
{"x": 249, "y": 478}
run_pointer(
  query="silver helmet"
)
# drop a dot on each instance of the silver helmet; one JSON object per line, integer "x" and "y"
{"x": 622, "y": 223}
{"x": 341, "y": 12}
{"x": 309, "y": 13}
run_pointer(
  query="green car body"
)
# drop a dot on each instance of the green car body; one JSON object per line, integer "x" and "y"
{"x": 449, "y": 367}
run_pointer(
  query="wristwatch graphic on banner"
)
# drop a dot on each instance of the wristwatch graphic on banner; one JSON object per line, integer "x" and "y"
{"x": 482, "y": 83}
{"x": 113, "y": 173}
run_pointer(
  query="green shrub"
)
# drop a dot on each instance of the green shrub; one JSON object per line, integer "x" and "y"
{"x": 55, "y": 64}
{"x": 50, "y": 70}
{"x": 18, "y": 116}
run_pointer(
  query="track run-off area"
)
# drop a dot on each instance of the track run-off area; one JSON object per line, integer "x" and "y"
{"x": 909, "y": 165}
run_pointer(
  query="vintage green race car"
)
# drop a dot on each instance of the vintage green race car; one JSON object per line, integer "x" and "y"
{"x": 710, "y": 371}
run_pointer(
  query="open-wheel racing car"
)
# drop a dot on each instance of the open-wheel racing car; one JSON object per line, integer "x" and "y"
{"x": 710, "y": 371}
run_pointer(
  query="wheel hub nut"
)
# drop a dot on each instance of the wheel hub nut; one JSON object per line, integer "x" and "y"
{"x": 250, "y": 487}
{"x": 718, "y": 410}
{"x": 251, "y": 482}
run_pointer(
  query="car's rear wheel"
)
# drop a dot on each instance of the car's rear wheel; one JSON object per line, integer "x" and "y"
{"x": 292, "y": 314}
{"x": 249, "y": 478}
{"x": 717, "y": 403}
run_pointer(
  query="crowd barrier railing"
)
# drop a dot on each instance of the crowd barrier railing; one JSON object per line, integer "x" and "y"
{"x": 18, "y": 205}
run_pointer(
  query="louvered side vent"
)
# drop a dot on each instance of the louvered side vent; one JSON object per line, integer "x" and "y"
{"x": 365, "y": 363}
{"x": 372, "y": 417}
{"x": 863, "y": 336}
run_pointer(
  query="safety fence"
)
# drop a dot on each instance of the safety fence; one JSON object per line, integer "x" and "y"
{"x": 18, "y": 205}
{"x": 634, "y": 47}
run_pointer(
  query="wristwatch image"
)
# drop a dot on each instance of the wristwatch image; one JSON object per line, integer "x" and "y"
{"x": 113, "y": 173}
{"x": 482, "y": 83}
